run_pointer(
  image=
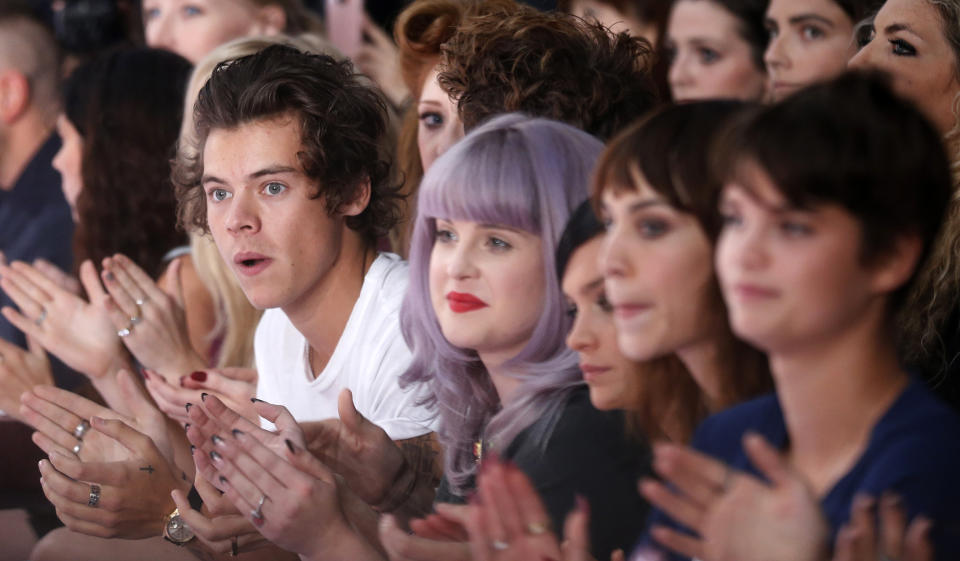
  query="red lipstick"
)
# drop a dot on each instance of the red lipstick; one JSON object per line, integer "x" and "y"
{"x": 462, "y": 302}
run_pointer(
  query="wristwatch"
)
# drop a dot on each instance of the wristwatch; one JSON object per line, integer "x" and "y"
{"x": 175, "y": 530}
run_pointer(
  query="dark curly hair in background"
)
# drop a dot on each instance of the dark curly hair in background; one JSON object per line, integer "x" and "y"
{"x": 342, "y": 121}
{"x": 549, "y": 65}
{"x": 127, "y": 106}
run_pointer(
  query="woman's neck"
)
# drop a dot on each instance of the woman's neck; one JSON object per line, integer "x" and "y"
{"x": 833, "y": 390}
{"x": 503, "y": 381}
{"x": 702, "y": 360}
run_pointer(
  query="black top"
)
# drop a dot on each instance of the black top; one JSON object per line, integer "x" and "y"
{"x": 913, "y": 450}
{"x": 35, "y": 222}
{"x": 588, "y": 454}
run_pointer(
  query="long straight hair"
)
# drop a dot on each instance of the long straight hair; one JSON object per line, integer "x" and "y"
{"x": 523, "y": 173}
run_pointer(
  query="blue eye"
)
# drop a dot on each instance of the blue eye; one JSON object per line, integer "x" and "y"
{"x": 707, "y": 55}
{"x": 497, "y": 243}
{"x": 431, "y": 120}
{"x": 652, "y": 228}
{"x": 444, "y": 236}
{"x": 191, "y": 11}
{"x": 219, "y": 194}
{"x": 151, "y": 14}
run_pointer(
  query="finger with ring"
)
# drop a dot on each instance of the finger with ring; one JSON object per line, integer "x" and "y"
{"x": 537, "y": 528}
{"x": 81, "y": 429}
{"x": 94, "y": 495}
{"x": 257, "y": 513}
{"x": 499, "y": 545}
{"x": 41, "y": 317}
{"x": 126, "y": 331}
{"x": 76, "y": 447}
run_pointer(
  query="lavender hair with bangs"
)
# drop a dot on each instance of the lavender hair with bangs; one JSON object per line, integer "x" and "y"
{"x": 523, "y": 173}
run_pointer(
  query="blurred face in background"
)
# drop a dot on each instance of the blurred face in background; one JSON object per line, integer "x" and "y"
{"x": 193, "y": 28}
{"x": 810, "y": 41}
{"x": 617, "y": 21}
{"x": 68, "y": 162}
{"x": 709, "y": 58}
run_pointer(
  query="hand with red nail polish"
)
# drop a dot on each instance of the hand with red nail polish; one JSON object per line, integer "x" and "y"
{"x": 233, "y": 386}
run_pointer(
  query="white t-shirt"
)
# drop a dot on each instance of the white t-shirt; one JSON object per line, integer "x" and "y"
{"x": 369, "y": 359}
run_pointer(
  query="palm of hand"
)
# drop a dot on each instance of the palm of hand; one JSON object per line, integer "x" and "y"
{"x": 756, "y": 522}
{"x": 362, "y": 457}
{"x": 80, "y": 334}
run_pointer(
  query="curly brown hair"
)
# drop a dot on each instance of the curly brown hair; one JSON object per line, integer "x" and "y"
{"x": 550, "y": 65}
{"x": 127, "y": 106}
{"x": 342, "y": 122}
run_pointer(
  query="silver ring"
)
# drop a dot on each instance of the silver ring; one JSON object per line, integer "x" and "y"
{"x": 76, "y": 447}
{"x": 94, "y": 499}
{"x": 135, "y": 320}
{"x": 81, "y": 429}
{"x": 126, "y": 331}
{"x": 140, "y": 302}
{"x": 499, "y": 545}
{"x": 41, "y": 317}
{"x": 257, "y": 513}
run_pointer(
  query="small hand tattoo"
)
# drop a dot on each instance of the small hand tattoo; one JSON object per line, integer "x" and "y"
{"x": 148, "y": 469}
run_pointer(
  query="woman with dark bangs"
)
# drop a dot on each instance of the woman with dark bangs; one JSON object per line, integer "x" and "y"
{"x": 816, "y": 258}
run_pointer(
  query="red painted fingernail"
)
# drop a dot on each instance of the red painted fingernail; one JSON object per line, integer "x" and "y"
{"x": 290, "y": 446}
{"x": 199, "y": 376}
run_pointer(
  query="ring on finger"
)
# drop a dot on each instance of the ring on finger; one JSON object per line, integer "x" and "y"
{"x": 94, "y": 499}
{"x": 82, "y": 427}
{"x": 141, "y": 301}
{"x": 76, "y": 447}
{"x": 537, "y": 528}
{"x": 499, "y": 545}
{"x": 126, "y": 331}
{"x": 135, "y": 320}
{"x": 257, "y": 513}
{"x": 43, "y": 315}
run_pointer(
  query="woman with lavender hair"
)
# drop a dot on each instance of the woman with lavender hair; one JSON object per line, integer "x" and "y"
{"x": 486, "y": 321}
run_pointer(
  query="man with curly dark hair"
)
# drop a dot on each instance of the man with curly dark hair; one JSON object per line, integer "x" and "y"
{"x": 550, "y": 65}
{"x": 291, "y": 183}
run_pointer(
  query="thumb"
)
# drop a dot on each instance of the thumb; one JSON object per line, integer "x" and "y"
{"x": 175, "y": 287}
{"x": 308, "y": 463}
{"x": 35, "y": 348}
{"x": 767, "y": 459}
{"x": 276, "y": 414}
{"x": 131, "y": 439}
{"x": 91, "y": 282}
{"x": 576, "y": 532}
{"x": 349, "y": 416}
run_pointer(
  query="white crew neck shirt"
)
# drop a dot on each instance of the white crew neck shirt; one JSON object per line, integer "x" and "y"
{"x": 369, "y": 359}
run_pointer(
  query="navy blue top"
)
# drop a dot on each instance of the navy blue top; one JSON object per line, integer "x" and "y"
{"x": 35, "y": 222}
{"x": 914, "y": 450}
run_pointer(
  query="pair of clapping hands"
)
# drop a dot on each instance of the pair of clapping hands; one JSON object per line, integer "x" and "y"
{"x": 737, "y": 517}
{"x": 127, "y": 309}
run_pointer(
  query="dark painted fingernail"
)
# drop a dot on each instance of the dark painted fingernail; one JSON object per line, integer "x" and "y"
{"x": 255, "y": 400}
{"x": 236, "y": 432}
{"x": 192, "y": 449}
{"x": 188, "y": 406}
{"x": 290, "y": 446}
{"x": 223, "y": 480}
{"x": 199, "y": 376}
{"x": 109, "y": 276}
{"x": 203, "y": 396}
{"x": 215, "y": 457}
{"x": 186, "y": 427}
{"x": 217, "y": 440}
